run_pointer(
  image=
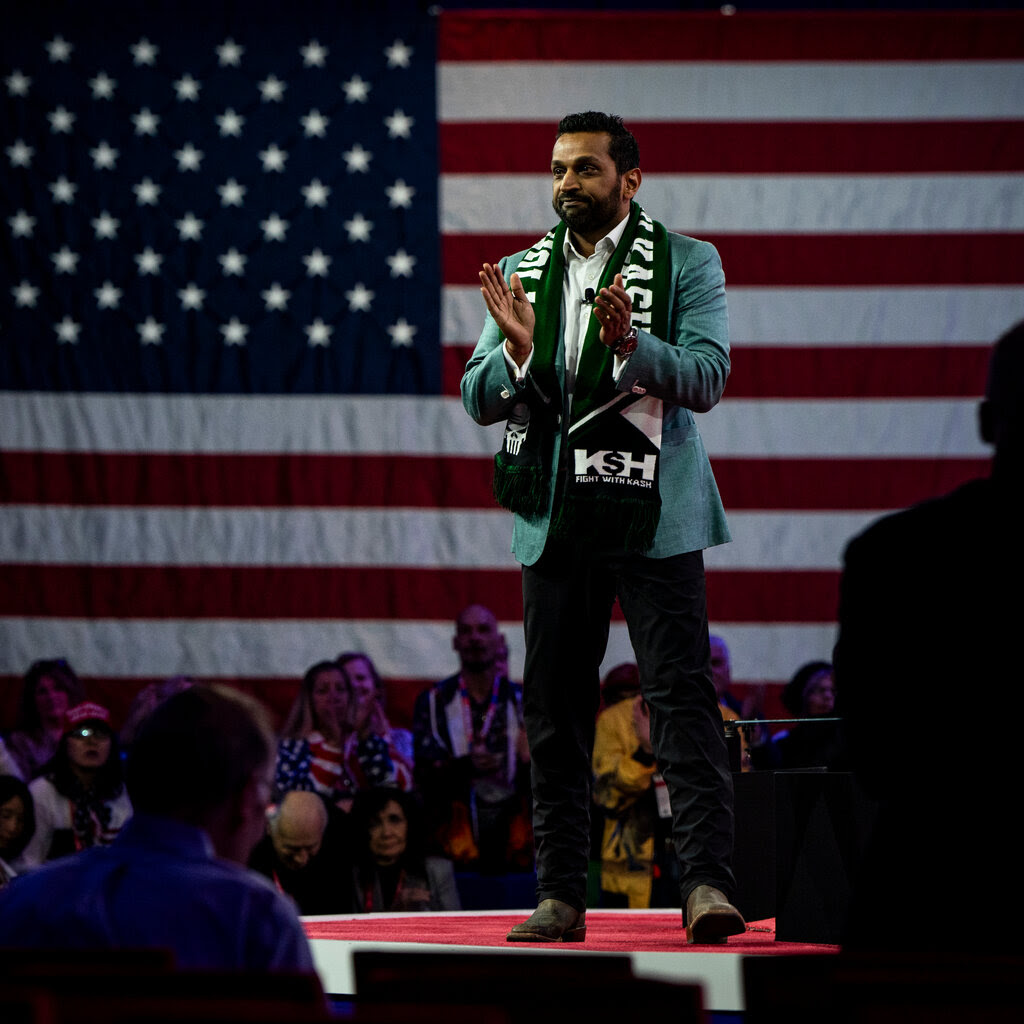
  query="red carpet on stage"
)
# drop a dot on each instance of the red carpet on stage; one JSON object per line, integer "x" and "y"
{"x": 607, "y": 932}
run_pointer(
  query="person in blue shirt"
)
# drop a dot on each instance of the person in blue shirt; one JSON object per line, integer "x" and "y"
{"x": 199, "y": 775}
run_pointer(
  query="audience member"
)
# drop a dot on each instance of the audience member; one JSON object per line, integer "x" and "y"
{"x": 721, "y": 674}
{"x": 319, "y": 750}
{"x": 809, "y": 695}
{"x": 731, "y": 707}
{"x": 367, "y": 714}
{"x": 17, "y": 823}
{"x": 637, "y": 817}
{"x": 304, "y": 853}
{"x": 49, "y": 688}
{"x": 146, "y": 701}
{"x": 199, "y": 776}
{"x": 80, "y": 799}
{"x": 472, "y": 760}
{"x": 927, "y": 666}
{"x": 392, "y": 871}
{"x": 621, "y": 682}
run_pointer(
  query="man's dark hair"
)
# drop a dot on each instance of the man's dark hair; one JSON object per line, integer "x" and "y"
{"x": 196, "y": 751}
{"x": 622, "y": 148}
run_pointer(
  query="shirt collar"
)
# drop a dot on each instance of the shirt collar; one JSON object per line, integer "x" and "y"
{"x": 606, "y": 245}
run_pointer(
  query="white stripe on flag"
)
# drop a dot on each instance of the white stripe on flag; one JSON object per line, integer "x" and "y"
{"x": 432, "y": 427}
{"x": 422, "y": 538}
{"x": 732, "y": 91}
{"x": 132, "y": 649}
{"x": 757, "y": 203}
{"x": 930, "y": 316}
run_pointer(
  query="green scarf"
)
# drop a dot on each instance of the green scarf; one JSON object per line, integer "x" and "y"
{"x": 612, "y": 441}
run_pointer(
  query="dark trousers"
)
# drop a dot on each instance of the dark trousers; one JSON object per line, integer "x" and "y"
{"x": 567, "y": 597}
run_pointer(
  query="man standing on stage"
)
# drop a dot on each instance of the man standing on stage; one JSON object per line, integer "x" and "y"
{"x": 610, "y": 333}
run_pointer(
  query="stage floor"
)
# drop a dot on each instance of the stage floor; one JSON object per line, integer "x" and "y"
{"x": 652, "y": 939}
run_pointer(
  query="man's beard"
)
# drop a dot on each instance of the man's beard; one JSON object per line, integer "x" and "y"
{"x": 593, "y": 213}
{"x": 477, "y": 662}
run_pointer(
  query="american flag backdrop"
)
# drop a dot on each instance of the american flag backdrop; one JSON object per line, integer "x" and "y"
{"x": 240, "y": 256}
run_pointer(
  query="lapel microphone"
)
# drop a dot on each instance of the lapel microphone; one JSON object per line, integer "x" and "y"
{"x": 588, "y": 297}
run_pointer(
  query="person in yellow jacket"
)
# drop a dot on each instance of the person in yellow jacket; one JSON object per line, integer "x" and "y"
{"x": 627, "y": 788}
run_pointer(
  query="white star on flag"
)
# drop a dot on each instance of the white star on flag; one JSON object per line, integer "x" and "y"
{"x": 108, "y": 296}
{"x": 398, "y": 54}
{"x": 232, "y": 263}
{"x": 20, "y": 154}
{"x": 356, "y": 90}
{"x": 18, "y": 83}
{"x": 102, "y": 86}
{"x": 313, "y": 54}
{"x": 65, "y": 261}
{"x": 401, "y": 264}
{"x": 400, "y": 195}
{"x": 147, "y": 192}
{"x": 148, "y": 261}
{"x": 229, "y": 54}
{"x": 358, "y": 228}
{"x": 25, "y": 295}
{"x": 273, "y": 158}
{"x": 144, "y": 53}
{"x": 317, "y": 263}
{"x": 401, "y": 333}
{"x": 105, "y": 225}
{"x": 145, "y": 122}
{"x": 357, "y": 159}
{"x": 192, "y": 296}
{"x": 316, "y": 193}
{"x": 319, "y": 333}
{"x": 21, "y": 224}
{"x": 189, "y": 158}
{"x": 275, "y": 297}
{"x": 230, "y": 123}
{"x": 234, "y": 331}
{"x": 360, "y": 298}
{"x": 62, "y": 190}
{"x": 231, "y": 193}
{"x": 59, "y": 50}
{"x": 314, "y": 124}
{"x": 61, "y": 121}
{"x": 274, "y": 228}
{"x": 187, "y": 89}
{"x": 104, "y": 157}
{"x": 399, "y": 125}
{"x": 272, "y": 89}
{"x": 190, "y": 228}
{"x": 67, "y": 331}
{"x": 151, "y": 332}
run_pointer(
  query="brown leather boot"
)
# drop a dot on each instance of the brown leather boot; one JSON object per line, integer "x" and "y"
{"x": 710, "y": 917}
{"x": 552, "y": 921}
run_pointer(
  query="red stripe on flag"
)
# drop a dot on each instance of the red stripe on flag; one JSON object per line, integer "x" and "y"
{"x": 272, "y": 593}
{"x": 805, "y": 259}
{"x": 257, "y": 481}
{"x": 838, "y": 484}
{"x": 748, "y": 484}
{"x": 953, "y": 371}
{"x": 790, "y": 147}
{"x": 759, "y": 36}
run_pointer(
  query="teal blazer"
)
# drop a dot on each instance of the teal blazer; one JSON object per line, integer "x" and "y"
{"x": 687, "y": 371}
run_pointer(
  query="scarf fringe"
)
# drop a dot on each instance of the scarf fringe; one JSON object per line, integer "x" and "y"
{"x": 522, "y": 489}
{"x": 606, "y": 520}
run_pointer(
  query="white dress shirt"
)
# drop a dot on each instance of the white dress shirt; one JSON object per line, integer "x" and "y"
{"x": 581, "y": 273}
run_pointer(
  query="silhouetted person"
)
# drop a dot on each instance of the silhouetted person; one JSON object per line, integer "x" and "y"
{"x": 199, "y": 775}
{"x": 929, "y": 682}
